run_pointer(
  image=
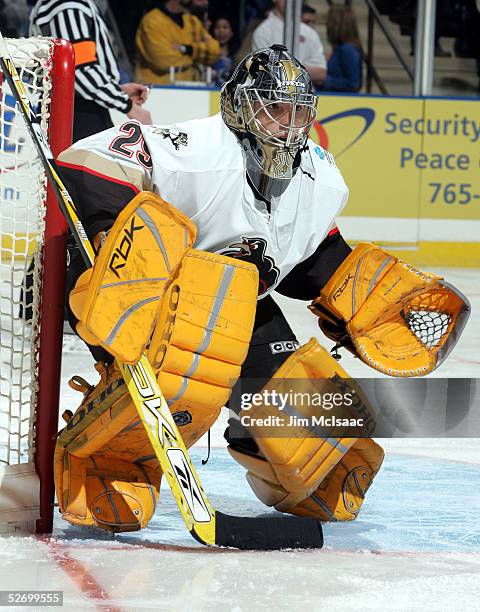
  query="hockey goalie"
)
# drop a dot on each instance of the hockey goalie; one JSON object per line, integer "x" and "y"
{"x": 194, "y": 226}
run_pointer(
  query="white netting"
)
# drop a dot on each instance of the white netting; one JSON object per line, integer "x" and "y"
{"x": 428, "y": 326}
{"x": 22, "y": 211}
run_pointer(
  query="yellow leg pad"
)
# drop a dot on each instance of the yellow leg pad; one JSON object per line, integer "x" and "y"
{"x": 295, "y": 465}
{"x": 301, "y": 462}
{"x": 200, "y": 341}
{"x": 104, "y": 471}
{"x": 340, "y": 495}
{"x": 204, "y": 329}
{"x": 73, "y": 498}
{"x": 111, "y": 494}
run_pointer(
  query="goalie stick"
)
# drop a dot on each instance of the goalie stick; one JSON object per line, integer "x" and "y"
{"x": 207, "y": 525}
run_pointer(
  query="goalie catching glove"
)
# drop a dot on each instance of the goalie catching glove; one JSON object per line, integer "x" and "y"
{"x": 398, "y": 320}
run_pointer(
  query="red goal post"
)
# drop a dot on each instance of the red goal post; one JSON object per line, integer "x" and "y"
{"x": 32, "y": 229}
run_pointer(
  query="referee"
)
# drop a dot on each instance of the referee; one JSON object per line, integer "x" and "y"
{"x": 97, "y": 75}
{"x": 97, "y": 81}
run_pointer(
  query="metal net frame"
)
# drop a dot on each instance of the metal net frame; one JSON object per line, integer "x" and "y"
{"x": 32, "y": 269}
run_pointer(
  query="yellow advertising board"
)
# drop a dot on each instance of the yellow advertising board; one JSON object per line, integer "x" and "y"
{"x": 354, "y": 129}
{"x": 450, "y": 160}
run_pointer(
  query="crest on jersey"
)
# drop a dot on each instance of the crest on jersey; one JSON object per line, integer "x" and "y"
{"x": 178, "y": 139}
{"x": 253, "y": 251}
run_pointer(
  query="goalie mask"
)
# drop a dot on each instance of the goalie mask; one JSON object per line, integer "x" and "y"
{"x": 269, "y": 104}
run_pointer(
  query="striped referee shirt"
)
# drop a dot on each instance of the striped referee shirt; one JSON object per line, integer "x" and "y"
{"x": 97, "y": 76}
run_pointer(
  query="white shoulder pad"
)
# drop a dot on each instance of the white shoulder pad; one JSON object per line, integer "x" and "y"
{"x": 199, "y": 145}
{"x": 322, "y": 154}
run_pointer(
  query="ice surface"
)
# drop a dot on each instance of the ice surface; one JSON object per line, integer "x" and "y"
{"x": 415, "y": 545}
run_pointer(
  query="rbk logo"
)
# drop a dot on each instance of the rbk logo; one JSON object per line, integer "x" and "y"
{"x": 338, "y": 292}
{"x": 121, "y": 253}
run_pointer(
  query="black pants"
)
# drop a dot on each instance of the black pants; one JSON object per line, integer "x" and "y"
{"x": 273, "y": 341}
{"x": 89, "y": 118}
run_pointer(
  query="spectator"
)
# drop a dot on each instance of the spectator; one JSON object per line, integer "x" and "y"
{"x": 344, "y": 72}
{"x": 309, "y": 15}
{"x": 97, "y": 76}
{"x": 13, "y": 17}
{"x": 199, "y": 8}
{"x": 310, "y": 52}
{"x": 170, "y": 36}
{"x": 223, "y": 32}
{"x": 259, "y": 16}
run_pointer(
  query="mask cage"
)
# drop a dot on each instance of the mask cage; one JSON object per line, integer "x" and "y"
{"x": 277, "y": 117}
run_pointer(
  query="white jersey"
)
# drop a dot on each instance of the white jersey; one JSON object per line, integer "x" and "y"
{"x": 198, "y": 167}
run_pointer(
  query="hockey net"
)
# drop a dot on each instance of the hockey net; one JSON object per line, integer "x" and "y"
{"x": 32, "y": 268}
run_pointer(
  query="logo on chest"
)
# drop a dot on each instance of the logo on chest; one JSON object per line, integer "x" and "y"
{"x": 253, "y": 251}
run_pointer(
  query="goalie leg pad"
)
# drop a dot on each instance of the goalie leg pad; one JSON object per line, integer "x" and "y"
{"x": 201, "y": 339}
{"x": 108, "y": 493}
{"x": 105, "y": 474}
{"x": 289, "y": 470}
{"x": 340, "y": 495}
{"x": 203, "y": 332}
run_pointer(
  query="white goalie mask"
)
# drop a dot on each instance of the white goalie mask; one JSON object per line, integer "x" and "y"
{"x": 269, "y": 104}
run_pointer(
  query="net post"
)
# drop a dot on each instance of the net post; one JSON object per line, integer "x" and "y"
{"x": 53, "y": 291}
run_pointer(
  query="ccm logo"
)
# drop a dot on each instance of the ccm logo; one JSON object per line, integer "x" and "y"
{"x": 283, "y": 346}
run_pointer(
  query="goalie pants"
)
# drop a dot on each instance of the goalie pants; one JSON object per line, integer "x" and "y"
{"x": 273, "y": 341}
